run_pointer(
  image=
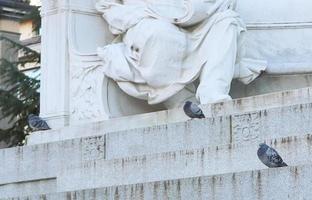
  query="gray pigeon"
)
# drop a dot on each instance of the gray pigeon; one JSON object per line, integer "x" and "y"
{"x": 192, "y": 110}
{"x": 270, "y": 157}
{"x": 36, "y": 123}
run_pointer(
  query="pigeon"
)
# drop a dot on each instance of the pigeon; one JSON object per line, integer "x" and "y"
{"x": 192, "y": 110}
{"x": 270, "y": 157}
{"x": 36, "y": 123}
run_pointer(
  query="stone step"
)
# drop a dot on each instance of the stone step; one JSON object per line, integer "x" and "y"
{"x": 180, "y": 164}
{"x": 42, "y": 163}
{"x": 248, "y": 104}
{"x": 266, "y": 184}
{"x": 37, "y": 167}
{"x": 229, "y": 129}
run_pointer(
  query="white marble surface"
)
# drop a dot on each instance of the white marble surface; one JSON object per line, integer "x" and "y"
{"x": 231, "y": 132}
{"x": 123, "y": 151}
{"x": 74, "y": 90}
{"x": 213, "y": 158}
{"x": 238, "y": 106}
{"x": 181, "y": 164}
{"x": 168, "y": 55}
{"x": 259, "y": 185}
{"x": 93, "y": 171}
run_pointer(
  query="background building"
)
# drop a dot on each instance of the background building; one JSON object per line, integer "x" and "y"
{"x": 14, "y": 26}
{"x": 12, "y": 12}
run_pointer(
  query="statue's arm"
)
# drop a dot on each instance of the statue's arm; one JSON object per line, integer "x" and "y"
{"x": 199, "y": 10}
{"x": 190, "y": 13}
{"x": 120, "y": 17}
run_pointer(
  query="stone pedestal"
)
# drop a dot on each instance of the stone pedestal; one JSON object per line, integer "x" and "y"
{"x": 164, "y": 155}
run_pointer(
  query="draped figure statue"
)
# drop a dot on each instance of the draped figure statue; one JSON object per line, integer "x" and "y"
{"x": 163, "y": 46}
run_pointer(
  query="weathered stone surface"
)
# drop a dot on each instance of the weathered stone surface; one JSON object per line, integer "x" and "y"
{"x": 72, "y": 173}
{"x": 153, "y": 146}
{"x": 269, "y": 83}
{"x": 161, "y": 154}
{"x": 81, "y": 92}
{"x": 267, "y": 184}
{"x": 238, "y": 129}
{"x": 181, "y": 164}
{"x": 224, "y": 142}
{"x": 34, "y": 169}
{"x": 248, "y": 104}
{"x": 32, "y": 187}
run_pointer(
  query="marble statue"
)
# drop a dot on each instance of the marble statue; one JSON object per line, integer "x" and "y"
{"x": 165, "y": 48}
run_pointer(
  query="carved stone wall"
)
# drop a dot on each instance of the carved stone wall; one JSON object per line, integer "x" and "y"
{"x": 93, "y": 148}
{"x": 246, "y": 127}
{"x": 75, "y": 91}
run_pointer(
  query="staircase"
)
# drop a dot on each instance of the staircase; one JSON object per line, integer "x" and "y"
{"x": 164, "y": 155}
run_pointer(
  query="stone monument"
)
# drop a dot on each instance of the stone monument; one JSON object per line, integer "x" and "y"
{"x": 74, "y": 85}
{"x": 164, "y": 46}
{"x": 98, "y": 149}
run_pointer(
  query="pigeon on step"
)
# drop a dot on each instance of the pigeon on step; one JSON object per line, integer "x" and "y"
{"x": 192, "y": 110}
{"x": 270, "y": 157}
{"x": 36, "y": 123}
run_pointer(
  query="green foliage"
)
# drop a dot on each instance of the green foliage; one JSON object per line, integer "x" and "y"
{"x": 19, "y": 94}
{"x": 25, "y": 1}
{"x": 34, "y": 15}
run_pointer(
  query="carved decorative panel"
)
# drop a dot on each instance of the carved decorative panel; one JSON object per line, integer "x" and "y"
{"x": 93, "y": 148}
{"x": 246, "y": 127}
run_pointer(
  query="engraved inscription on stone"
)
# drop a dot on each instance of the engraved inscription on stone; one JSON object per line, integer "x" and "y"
{"x": 93, "y": 148}
{"x": 246, "y": 127}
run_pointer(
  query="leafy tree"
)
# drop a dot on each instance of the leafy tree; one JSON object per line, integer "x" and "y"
{"x": 34, "y": 15}
{"x": 19, "y": 95}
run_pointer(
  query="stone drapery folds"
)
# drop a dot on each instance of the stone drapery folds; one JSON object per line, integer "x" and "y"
{"x": 163, "y": 46}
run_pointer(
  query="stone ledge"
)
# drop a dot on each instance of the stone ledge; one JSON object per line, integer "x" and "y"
{"x": 25, "y": 176}
{"x": 47, "y": 160}
{"x": 180, "y": 164}
{"x": 33, "y": 187}
{"x": 248, "y": 104}
{"x": 267, "y": 184}
{"x": 237, "y": 129}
